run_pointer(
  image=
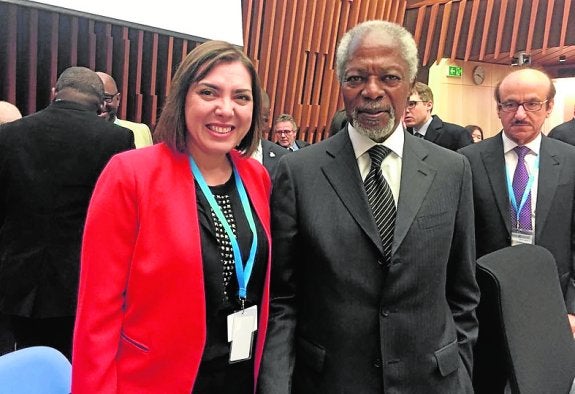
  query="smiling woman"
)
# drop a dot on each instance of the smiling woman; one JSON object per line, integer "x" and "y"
{"x": 177, "y": 241}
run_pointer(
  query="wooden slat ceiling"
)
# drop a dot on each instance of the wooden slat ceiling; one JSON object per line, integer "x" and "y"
{"x": 495, "y": 31}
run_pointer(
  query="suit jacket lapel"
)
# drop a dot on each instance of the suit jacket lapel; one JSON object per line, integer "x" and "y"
{"x": 494, "y": 162}
{"x": 343, "y": 175}
{"x": 416, "y": 179}
{"x": 549, "y": 171}
{"x": 431, "y": 133}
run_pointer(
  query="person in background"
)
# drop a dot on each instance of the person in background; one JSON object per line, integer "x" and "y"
{"x": 176, "y": 252}
{"x": 565, "y": 131}
{"x": 285, "y": 130}
{"x": 373, "y": 278}
{"x": 422, "y": 124}
{"x": 267, "y": 152}
{"x": 8, "y": 112}
{"x": 524, "y": 185}
{"x": 475, "y": 132}
{"x": 49, "y": 164}
{"x": 142, "y": 134}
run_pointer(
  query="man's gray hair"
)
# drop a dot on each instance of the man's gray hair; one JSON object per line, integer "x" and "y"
{"x": 404, "y": 39}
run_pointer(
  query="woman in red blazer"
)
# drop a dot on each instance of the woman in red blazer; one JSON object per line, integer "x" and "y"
{"x": 174, "y": 280}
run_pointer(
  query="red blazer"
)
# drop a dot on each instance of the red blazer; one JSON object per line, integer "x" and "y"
{"x": 140, "y": 323}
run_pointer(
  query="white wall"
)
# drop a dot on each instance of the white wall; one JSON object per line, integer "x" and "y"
{"x": 209, "y": 19}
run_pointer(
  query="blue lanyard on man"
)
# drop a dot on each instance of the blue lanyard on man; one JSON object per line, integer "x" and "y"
{"x": 526, "y": 192}
{"x": 243, "y": 273}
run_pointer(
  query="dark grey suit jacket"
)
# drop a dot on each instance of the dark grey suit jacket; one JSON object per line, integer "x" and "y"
{"x": 49, "y": 164}
{"x": 340, "y": 322}
{"x": 564, "y": 132}
{"x": 448, "y": 135}
{"x": 271, "y": 154}
{"x": 554, "y": 210}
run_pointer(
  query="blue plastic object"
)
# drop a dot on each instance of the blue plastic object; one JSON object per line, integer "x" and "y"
{"x": 35, "y": 370}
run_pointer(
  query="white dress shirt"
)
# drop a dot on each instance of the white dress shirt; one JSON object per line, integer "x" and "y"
{"x": 391, "y": 165}
{"x": 530, "y": 162}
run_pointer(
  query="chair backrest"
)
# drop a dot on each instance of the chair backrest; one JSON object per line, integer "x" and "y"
{"x": 32, "y": 370}
{"x": 524, "y": 333}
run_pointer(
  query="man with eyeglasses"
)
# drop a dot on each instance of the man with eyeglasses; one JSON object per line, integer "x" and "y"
{"x": 142, "y": 134}
{"x": 285, "y": 130}
{"x": 524, "y": 182}
{"x": 419, "y": 121}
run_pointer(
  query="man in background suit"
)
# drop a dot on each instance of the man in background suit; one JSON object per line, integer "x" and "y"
{"x": 353, "y": 310}
{"x": 422, "y": 124}
{"x": 8, "y": 113}
{"x": 49, "y": 164}
{"x": 285, "y": 130}
{"x": 142, "y": 134}
{"x": 267, "y": 152}
{"x": 565, "y": 131}
{"x": 542, "y": 212}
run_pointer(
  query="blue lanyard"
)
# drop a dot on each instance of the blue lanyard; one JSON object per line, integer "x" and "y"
{"x": 242, "y": 273}
{"x": 525, "y": 192}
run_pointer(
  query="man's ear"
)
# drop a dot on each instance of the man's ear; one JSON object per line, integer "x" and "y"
{"x": 550, "y": 104}
{"x": 52, "y": 94}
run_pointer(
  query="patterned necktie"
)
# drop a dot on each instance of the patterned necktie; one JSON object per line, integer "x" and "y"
{"x": 520, "y": 179}
{"x": 419, "y": 135}
{"x": 381, "y": 199}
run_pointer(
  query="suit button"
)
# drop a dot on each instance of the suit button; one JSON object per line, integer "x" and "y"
{"x": 377, "y": 363}
{"x": 384, "y": 313}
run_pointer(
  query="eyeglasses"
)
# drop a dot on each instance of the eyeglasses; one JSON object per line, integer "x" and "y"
{"x": 412, "y": 103}
{"x": 529, "y": 106}
{"x": 280, "y": 132}
{"x": 109, "y": 97}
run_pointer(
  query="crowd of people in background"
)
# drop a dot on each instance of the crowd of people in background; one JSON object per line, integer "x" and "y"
{"x": 225, "y": 254}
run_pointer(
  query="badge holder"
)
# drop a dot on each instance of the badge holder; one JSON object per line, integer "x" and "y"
{"x": 520, "y": 236}
{"x": 241, "y": 328}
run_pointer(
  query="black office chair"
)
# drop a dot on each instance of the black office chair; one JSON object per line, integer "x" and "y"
{"x": 524, "y": 333}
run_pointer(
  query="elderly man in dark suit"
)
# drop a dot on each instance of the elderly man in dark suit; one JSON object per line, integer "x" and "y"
{"x": 49, "y": 164}
{"x": 422, "y": 124}
{"x": 524, "y": 182}
{"x": 373, "y": 277}
{"x": 565, "y": 131}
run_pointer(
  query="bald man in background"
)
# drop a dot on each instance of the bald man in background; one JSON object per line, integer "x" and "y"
{"x": 142, "y": 134}
{"x": 8, "y": 112}
{"x": 542, "y": 212}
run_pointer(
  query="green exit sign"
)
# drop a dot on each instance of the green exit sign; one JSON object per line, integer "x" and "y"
{"x": 455, "y": 71}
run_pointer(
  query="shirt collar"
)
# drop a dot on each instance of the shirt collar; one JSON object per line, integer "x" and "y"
{"x": 508, "y": 144}
{"x": 361, "y": 143}
{"x": 423, "y": 129}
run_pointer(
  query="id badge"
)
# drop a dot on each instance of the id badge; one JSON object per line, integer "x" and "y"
{"x": 241, "y": 328}
{"x": 519, "y": 236}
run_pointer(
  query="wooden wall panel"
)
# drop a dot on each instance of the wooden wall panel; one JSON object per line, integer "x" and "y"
{"x": 294, "y": 53}
{"x": 38, "y": 43}
{"x": 495, "y": 31}
{"x": 292, "y": 45}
